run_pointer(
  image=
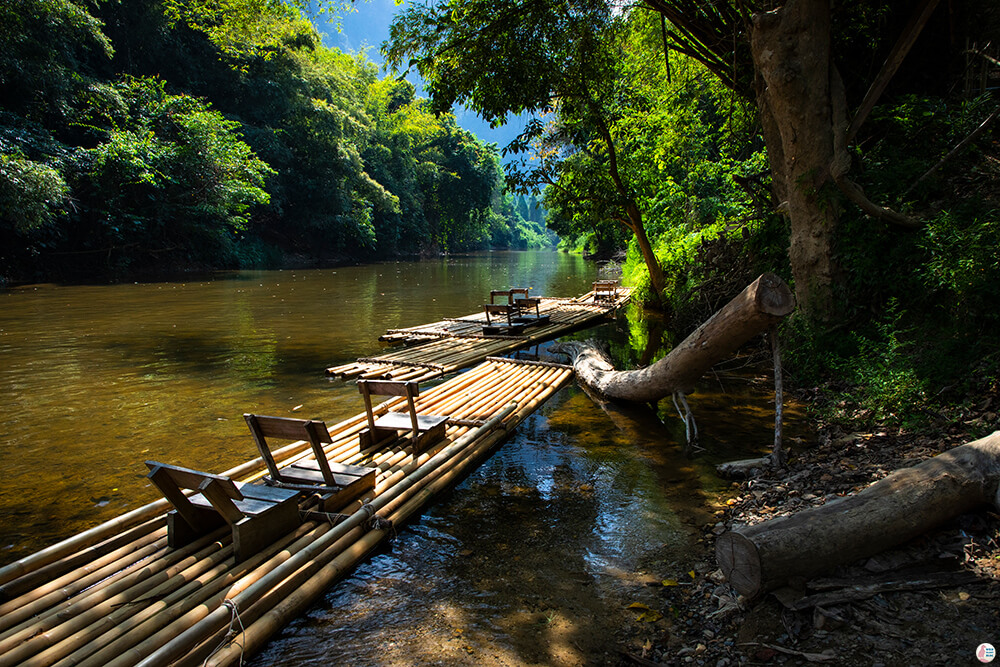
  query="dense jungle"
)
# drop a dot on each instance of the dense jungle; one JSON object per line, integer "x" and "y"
{"x": 851, "y": 149}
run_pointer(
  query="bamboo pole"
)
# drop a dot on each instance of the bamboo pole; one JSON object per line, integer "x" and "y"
{"x": 177, "y": 647}
{"x": 94, "y": 624}
{"x": 162, "y": 612}
{"x": 37, "y": 601}
{"x": 95, "y": 630}
{"x": 77, "y": 544}
{"x": 51, "y": 629}
{"x": 158, "y": 631}
{"x": 57, "y": 568}
{"x": 318, "y": 579}
{"x": 259, "y": 631}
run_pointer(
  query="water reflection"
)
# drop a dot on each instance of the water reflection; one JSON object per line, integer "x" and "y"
{"x": 537, "y": 555}
{"x": 96, "y": 379}
{"x": 531, "y": 560}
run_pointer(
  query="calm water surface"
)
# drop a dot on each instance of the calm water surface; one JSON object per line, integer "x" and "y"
{"x": 96, "y": 379}
{"x": 532, "y": 559}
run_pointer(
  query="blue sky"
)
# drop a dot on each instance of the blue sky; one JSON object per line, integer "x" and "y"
{"x": 366, "y": 29}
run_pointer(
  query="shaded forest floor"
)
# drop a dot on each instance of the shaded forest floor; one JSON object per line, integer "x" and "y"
{"x": 953, "y": 571}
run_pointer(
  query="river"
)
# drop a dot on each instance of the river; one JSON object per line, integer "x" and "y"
{"x": 532, "y": 559}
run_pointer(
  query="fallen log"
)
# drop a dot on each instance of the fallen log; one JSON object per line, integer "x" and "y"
{"x": 763, "y": 303}
{"x": 759, "y": 558}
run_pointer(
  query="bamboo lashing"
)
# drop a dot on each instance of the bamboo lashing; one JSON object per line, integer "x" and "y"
{"x": 116, "y": 595}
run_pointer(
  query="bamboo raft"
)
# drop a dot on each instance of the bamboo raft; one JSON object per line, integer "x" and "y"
{"x": 118, "y": 595}
{"x": 436, "y": 349}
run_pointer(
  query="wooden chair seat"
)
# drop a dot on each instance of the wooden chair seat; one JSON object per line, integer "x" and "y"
{"x": 515, "y": 315}
{"x": 400, "y": 421}
{"x": 257, "y": 514}
{"x": 506, "y": 326}
{"x": 424, "y": 429}
{"x": 337, "y": 483}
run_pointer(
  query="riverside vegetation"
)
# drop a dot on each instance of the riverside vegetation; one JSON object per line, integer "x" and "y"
{"x": 708, "y": 143}
{"x": 155, "y": 134}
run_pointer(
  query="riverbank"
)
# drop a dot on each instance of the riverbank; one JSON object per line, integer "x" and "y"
{"x": 697, "y": 620}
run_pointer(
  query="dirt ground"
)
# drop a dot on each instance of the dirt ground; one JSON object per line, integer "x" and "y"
{"x": 697, "y": 619}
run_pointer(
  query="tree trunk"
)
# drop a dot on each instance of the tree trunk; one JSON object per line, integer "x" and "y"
{"x": 791, "y": 52}
{"x": 891, "y": 511}
{"x": 763, "y": 303}
{"x": 656, "y": 279}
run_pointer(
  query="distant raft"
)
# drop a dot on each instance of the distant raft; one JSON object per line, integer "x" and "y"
{"x": 436, "y": 349}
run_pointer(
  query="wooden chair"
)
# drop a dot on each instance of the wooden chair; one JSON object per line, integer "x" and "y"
{"x": 517, "y": 312}
{"x": 424, "y": 429}
{"x": 605, "y": 290}
{"x": 337, "y": 482}
{"x": 258, "y": 514}
{"x": 524, "y": 303}
{"x": 494, "y": 325}
{"x": 494, "y": 293}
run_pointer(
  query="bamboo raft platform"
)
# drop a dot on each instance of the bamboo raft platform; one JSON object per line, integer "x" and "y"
{"x": 118, "y": 595}
{"x": 439, "y": 348}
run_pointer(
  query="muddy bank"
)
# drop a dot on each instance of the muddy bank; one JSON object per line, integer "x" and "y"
{"x": 931, "y": 601}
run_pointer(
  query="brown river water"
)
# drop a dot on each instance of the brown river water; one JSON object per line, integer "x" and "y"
{"x": 533, "y": 559}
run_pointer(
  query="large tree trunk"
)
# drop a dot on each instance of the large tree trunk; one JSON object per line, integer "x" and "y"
{"x": 891, "y": 511}
{"x": 763, "y": 303}
{"x": 791, "y": 52}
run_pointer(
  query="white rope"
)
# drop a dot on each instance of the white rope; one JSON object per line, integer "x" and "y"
{"x": 234, "y": 622}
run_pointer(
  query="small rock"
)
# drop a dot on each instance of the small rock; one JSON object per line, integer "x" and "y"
{"x": 699, "y": 649}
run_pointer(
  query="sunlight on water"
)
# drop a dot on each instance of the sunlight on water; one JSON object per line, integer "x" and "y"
{"x": 96, "y": 379}
{"x": 534, "y": 558}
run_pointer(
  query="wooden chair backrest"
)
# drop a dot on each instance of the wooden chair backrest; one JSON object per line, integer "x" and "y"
{"x": 499, "y": 292}
{"x": 497, "y": 309}
{"x": 605, "y": 288}
{"x": 407, "y": 388}
{"x": 522, "y": 291}
{"x": 218, "y": 490}
{"x": 390, "y": 387}
{"x": 312, "y": 430}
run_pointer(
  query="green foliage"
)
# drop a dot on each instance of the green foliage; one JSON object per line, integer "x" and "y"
{"x": 962, "y": 269}
{"x": 222, "y": 134}
{"x": 44, "y": 47}
{"x": 32, "y": 194}
{"x": 882, "y": 379}
{"x": 171, "y": 171}
{"x": 243, "y": 30}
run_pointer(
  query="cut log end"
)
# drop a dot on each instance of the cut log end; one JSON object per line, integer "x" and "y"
{"x": 773, "y": 296}
{"x": 740, "y": 563}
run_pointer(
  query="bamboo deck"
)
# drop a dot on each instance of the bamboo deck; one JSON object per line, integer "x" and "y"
{"x": 117, "y": 595}
{"x": 436, "y": 349}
